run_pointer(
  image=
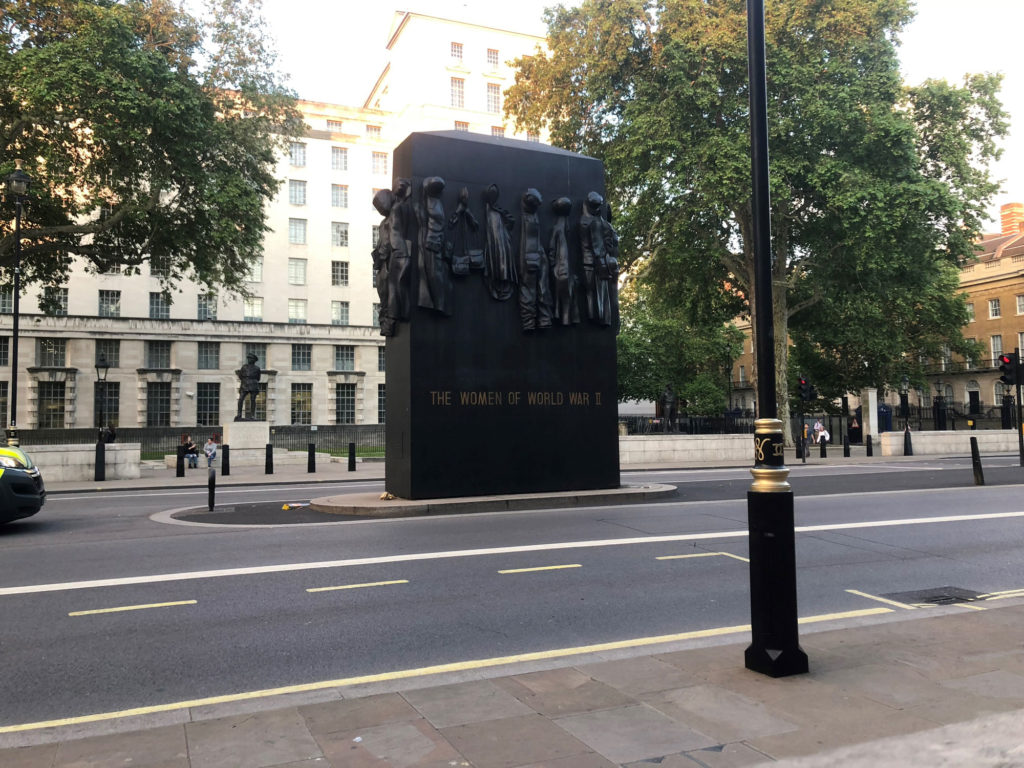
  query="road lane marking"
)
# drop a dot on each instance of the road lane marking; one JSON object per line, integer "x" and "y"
{"x": 885, "y": 600}
{"x": 971, "y": 607}
{"x": 540, "y": 568}
{"x": 703, "y": 554}
{"x": 451, "y": 554}
{"x": 121, "y": 608}
{"x": 438, "y": 669}
{"x": 358, "y": 586}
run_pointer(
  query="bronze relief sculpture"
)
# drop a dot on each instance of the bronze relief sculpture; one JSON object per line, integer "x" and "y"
{"x": 499, "y": 262}
{"x": 383, "y": 201}
{"x": 435, "y": 284}
{"x": 535, "y": 302}
{"x": 566, "y": 309}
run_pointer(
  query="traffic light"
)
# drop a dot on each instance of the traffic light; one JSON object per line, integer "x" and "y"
{"x": 805, "y": 389}
{"x": 1009, "y": 365}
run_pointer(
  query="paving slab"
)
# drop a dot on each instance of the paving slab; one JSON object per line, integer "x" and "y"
{"x": 164, "y": 747}
{"x": 353, "y": 714}
{"x": 473, "y": 702}
{"x": 408, "y": 744}
{"x": 724, "y": 715}
{"x": 251, "y": 741}
{"x": 565, "y": 691}
{"x": 513, "y": 742}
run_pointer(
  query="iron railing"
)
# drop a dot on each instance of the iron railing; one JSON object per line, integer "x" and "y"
{"x": 330, "y": 438}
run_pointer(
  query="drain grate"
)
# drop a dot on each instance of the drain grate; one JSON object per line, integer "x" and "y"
{"x": 935, "y": 596}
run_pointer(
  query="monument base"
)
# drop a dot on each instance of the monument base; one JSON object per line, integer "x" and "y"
{"x": 246, "y": 435}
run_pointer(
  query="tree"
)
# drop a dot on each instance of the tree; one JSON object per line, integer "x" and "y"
{"x": 877, "y": 190}
{"x": 658, "y": 345}
{"x": 150, "y": 136}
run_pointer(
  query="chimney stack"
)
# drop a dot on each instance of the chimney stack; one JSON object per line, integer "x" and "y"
{"x": 1012, "y": 218}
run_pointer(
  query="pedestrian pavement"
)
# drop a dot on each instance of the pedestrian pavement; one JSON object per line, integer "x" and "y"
{"x": 894, "y": 686}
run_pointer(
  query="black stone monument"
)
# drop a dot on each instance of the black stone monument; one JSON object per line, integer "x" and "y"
{"x": 477, "y": 405}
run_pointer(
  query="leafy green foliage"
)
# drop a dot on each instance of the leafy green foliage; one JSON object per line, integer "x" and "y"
{"x": 877, "y": 190}
{"x": 150, "y": 136}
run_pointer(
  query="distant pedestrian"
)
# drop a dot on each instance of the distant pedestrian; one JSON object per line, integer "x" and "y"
{"x": 824, "y": 437}
{"x": 210, "y": 449}
{"x": 818, "y": 427}
{"x": 191, "y": 452}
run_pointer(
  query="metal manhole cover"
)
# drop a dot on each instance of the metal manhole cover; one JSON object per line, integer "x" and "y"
{"x": 935, "y": 596}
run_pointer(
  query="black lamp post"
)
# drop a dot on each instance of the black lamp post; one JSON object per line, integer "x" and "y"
{"x": 102, "y": 369}
{"x": 940, "y": 406}
{"x": 18, "y": 183}
{"x": 905, "y": 401}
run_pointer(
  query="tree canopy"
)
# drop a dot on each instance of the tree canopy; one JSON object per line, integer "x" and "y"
{"x": 150, "y": 135}
{"x": 877, "y": 190}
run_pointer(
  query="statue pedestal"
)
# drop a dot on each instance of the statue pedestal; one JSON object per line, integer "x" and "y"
{"x": 248, "y": 441}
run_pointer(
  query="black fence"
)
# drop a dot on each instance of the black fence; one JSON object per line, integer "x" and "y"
{"x": 330, "y": 438}
{"x": 733, "y": 423}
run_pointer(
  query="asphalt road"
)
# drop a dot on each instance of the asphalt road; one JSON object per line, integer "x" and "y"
{"x": 224, "y": 610}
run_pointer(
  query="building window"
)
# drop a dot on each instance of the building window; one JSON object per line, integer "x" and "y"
{"x": 969, "y": 361}
{"x": 997, "y": 346}
{"x": 533, "y": 136}
{"x": 206, "y": 306}
{"x": 297, "y": 231}
{"x": 252, "y": 309}
{"x": 51, "y": 353}
{"x": 159, "y": 266}
{"x": 497, "y": 132}
{"x": 159, "y": 306}
{"x": 493, "y": 97}
{"x": 5, "y": 351}
{"x": 743, "y": 375}
{"x": 339, "y": 313}
{"x": 375, "y": 235}
{"x": 458, "y": 92}
{"x": 970, "y": 313}
{"x": 55, "y": 301}
{"x": 381, "y": 403}
{"x": 947, "y": 357}
{"x": 255, "y": 274}
{"x": 158, "y": 404}
{"x": 302, "y": 357}
{"x": 302, "y": 403}
{"x": 373, "y": 131}
{"x": 257, "y": 348}
{"x": 208, "y": 404}
{"x": 110, "y": 304}
{"x": 339, "y": 234}
{"x": 297, "y": 154}
{"x": 380, "y": 358}
{"x": 339, "y": 273}
{"x": 1020, "y": 304}
{"x": 4, "y": 408}
{"x": 376, "y": 315}
{"x": 158, "y": 354}
{"x": 994, "y": 309}
{"x": 380, "y": 162}
{"x": 335, "y": 126}
{"x": 106, "y": 403}
{"x": 51, "y": 404}
{"x": 456, "y": 51}
{"x": 296, "y": 192}
{"x": 6, "y": 301}
{"x": 345, "y": 403}
{"x": 209, "y": 356}
{"x": 296, "y": 271}
{"x": 297, "y": 311}
{"x": 339, "y": 158}
{"x": 109, "y": 350}
{"x": 492, "y": 58}
{"x": 461, "y": 126}
{"x": 339, "y": 195}
{"x": 344, "y": 358}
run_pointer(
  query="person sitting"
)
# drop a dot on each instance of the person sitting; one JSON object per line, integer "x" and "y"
{"x": 191, "y": 452}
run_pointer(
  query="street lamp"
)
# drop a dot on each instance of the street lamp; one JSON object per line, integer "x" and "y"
{"x": 18, "y": 183}
{"x": 940, "y": 406}
{"x": 905, "y": 401}
{"x": 102, "y": 369}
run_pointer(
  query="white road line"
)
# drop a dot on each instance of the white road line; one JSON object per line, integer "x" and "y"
{"x": 451, "y": 554}
{"x": 221, "y": 490}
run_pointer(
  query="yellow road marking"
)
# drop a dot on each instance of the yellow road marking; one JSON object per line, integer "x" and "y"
{"x": 968, "y": 605}
{"x": 402, "y": 674}
{"x": 358, "y": 586}
{"x": 1004, "y": 597}
{"x": 882, "y": 599}
{"x": 131, "y": 608}
{"x": 703, "y": 554}
{"x": 542, "y": 568}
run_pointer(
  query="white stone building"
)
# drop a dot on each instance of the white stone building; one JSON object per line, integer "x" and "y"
{"x": 312, "y": 316}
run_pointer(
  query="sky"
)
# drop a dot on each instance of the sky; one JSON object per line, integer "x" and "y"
{"x": 334, "y": 51}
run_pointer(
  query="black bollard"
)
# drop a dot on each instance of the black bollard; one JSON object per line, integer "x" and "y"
{"x": 311, "y": 460}
{"x": 824, "y": 451}
{"x": 269, "y": 469}
{"x": 846, "y": 446}
{"x": 979, "y": 475}
{"x": 803, "y": 450}
{"x": 225, "y": 460}
{"x": 867, "y": 444}
{"x": 908, "y": 446}
{"x": 180, "y": 465}
{"x": 211, "y": 488}
{"x": 101, "y": 462}
{"x": 351, "y": 457}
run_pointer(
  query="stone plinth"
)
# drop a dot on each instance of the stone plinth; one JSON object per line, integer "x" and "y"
{"x": 246, "y": 435}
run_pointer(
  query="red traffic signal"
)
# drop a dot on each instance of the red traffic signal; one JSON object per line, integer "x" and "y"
{"x": 1009, "y": 367}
